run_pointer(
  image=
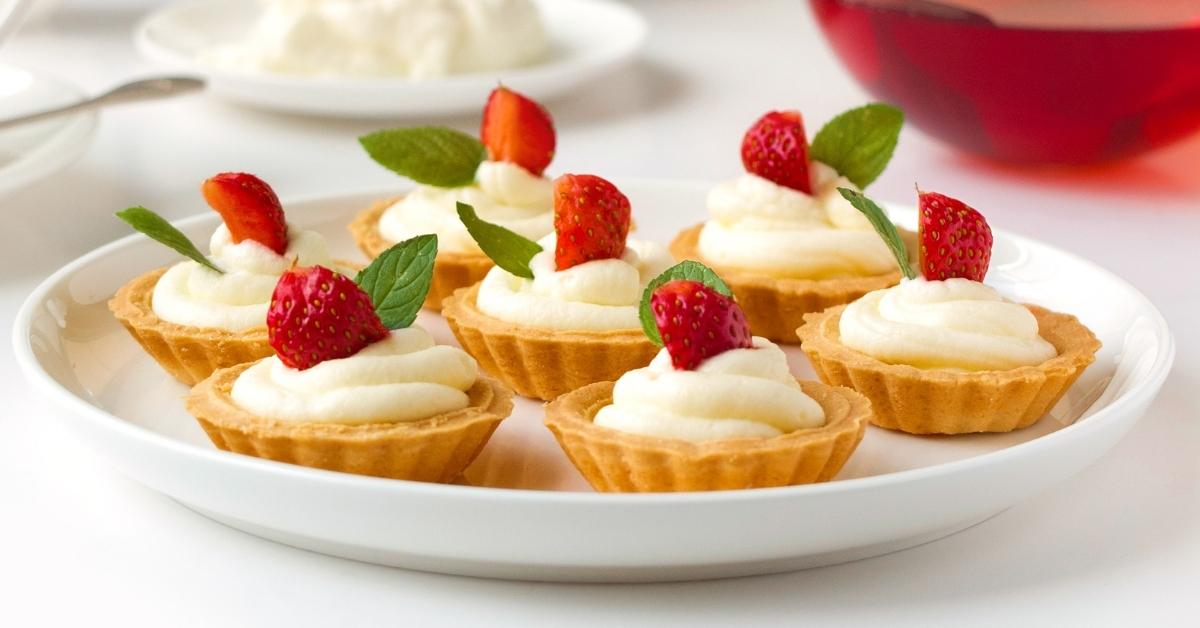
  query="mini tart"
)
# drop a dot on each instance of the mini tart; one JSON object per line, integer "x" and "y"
{"x": 615, "y": 461}
{"x": 774, "y": 306}
{"x": 436, "y": 449}
{"x": 934, "y": 401}
{"x": 543, "y": 363}
{"x": 451, "y": 271}
{"x": 190, "y": 354}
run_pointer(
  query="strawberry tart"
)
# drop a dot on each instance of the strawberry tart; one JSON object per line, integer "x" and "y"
{"x": 207, "y": 313}
{"x": 500, "y": 176}
{"x": 782, "y": 236}
{"x": 355, "y": 386}
{"x": 716, "y": 409}
{"x": 943, "y": 353}
{"x": 560, "y": 313}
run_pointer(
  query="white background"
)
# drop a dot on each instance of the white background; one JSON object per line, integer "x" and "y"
{"x": 1117, "y": 545}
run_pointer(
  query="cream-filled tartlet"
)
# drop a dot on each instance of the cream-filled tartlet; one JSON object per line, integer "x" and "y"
{"x": 207, "y": 313}
{"x": 782, "y": 234}
{"x": 945, "y": 353}
{"x": 560, "y": 313}
{"x": 355, "y": 387}
{"x": 715, "y": 409}
{"x": 414, "y": 39}
{"x": 502, "y": 178}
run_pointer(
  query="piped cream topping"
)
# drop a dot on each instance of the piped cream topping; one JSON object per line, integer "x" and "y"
{"x": 758, "y": 225}
{"x": 236, "y": 300}
{"x": 741, "y": 393}
{"x": 503, "y": 193}
{"x": 955, "y": 324}
{"x": 403, "y": 377}
{"x": 596, "y": 295}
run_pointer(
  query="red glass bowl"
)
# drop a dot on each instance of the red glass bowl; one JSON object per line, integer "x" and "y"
{"x": 1031, "y": 95}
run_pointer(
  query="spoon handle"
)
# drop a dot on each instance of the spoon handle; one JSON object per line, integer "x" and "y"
{"x": 143, "y": 89}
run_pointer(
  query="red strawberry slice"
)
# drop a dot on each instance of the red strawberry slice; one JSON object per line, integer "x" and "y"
{"x": 591, "y": 218}
{"x": 776, "y": 149}
{"x": 249, "y": 208}
{"x": 697, "y": 322}
{"x": 317, "y": 314}
{"x": 517, "y": 130}
{"x": 955, "y": 239}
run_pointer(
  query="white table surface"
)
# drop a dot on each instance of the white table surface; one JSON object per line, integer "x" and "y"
{"x": 1117, "y": 545}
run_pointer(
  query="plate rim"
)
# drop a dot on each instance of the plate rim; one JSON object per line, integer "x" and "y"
{"x": 152, "y": 50}
{"x": 56, "y": 393}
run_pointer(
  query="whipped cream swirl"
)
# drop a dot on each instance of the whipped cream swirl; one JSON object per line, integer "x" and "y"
{"x": 403, "y": 377}
{"x": 742, "y": 393}
{"x": 503, "y": 193}
{"x": 599, "y": 295}
{"x": 954, "y": 324}
{"x": 760, "y": 226}
{"x": 236, "y": 300}
{"x": 418, "y": 39}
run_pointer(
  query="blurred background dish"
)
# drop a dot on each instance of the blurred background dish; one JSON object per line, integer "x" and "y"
{"x": 33, "y": 151}
{"x": 1070, "y": 81}
{"x": 584, "y": 39}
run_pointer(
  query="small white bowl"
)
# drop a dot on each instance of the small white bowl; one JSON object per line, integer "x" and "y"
{"x": 588, "y": 38}
{"x": 39, "y": 149}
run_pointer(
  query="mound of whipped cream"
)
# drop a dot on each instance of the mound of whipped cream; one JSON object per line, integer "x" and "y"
{"x": 417, "y": 39}
{"x": 237, "y": 299}
{"x": 956, "y": 324}
{"x": 741, "y": 393}
{"x": 764, "y": 227}
{"x": 404, "y": 377}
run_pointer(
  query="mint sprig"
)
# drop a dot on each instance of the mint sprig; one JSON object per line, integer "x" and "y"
{"x": 859, "y": 143}
{"x": 687, "y": 270}
{"x": 883, "y": 226}
{"x": 398, "y": 280}
{"x": 510, "y": 251}
{"x": 158, "y": 229}
{"x": 432, "y": 155}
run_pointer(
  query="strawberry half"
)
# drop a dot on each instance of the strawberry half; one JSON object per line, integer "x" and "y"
{"x": 775, "y": 148}
{"x": 697, "y": 322}
{"x": 249, "y": 208}
{"x": 317, "y": 314}
{"x": 955, "y": 239}
{"x": 517, "y": 130}
{"x": 591, "y": 218}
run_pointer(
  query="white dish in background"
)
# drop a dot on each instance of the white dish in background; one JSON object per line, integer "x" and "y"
{"x": 33, "y": 151}
{"x": 896, "y": 491}
{"x": 587, "y": 38}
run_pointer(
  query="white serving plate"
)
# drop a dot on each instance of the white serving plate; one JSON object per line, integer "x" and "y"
{"x": 37, "y": 150}
{"x": 527, "y": 513}
{"x": 588, "y": 38}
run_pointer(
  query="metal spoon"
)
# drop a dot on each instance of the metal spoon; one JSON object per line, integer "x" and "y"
{"x": 143, "y": 89}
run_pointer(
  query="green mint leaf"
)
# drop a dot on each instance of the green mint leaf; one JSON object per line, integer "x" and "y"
{"x": 510, "y": 251}
{"x": 859, "y": 143}
{"x": 158, "y": 229}
{"x": 431, "y": 155}
{"x": 883, "y": 227}
{"x": 398, "y": 280}
{"x": 689, "y": 270}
